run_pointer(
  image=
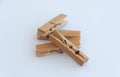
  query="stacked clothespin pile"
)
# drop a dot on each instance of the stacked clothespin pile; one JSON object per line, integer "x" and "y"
{"x": 67, "y": 41}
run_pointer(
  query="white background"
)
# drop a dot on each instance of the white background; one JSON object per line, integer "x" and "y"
{"x": 98, "y": 21}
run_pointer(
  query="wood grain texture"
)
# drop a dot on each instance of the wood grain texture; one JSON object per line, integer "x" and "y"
{"x": 63, "y": 43}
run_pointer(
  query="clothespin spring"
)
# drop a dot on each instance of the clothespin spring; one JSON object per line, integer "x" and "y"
{"x": 70, "y": 47}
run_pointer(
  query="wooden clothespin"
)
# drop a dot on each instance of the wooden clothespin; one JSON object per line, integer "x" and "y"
{"x": 50, "y": 26}
{"x": 68, "y": 47}
{"x": 66, "y": 33}
{"x": 50, "y": 48}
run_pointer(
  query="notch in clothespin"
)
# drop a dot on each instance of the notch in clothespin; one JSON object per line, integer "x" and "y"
{"x": 65, "y": 45}
{"x": 50, "y": 48}
{"x": 50, "y": 26}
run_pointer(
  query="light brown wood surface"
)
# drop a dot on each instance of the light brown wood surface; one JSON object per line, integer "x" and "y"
{"x": 52, "y": 25}
{"x": 58, "y": 40}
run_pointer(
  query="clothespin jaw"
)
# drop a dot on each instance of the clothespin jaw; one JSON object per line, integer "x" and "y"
{"x": 63, "y": 43}
{"x": 50, "y": 26}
